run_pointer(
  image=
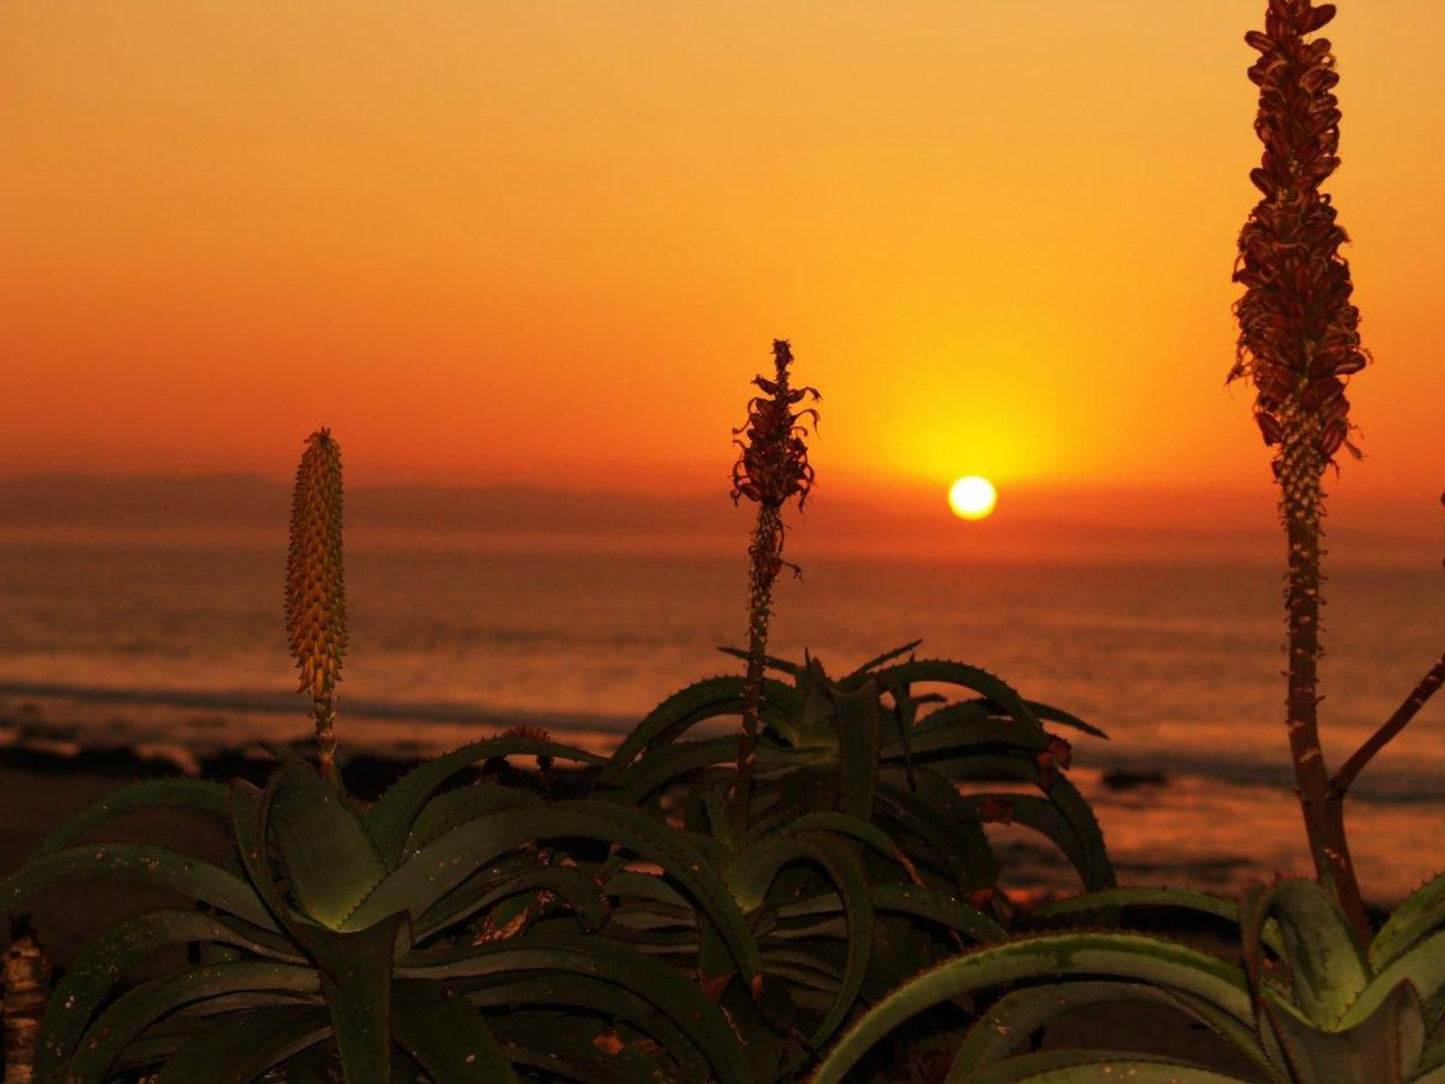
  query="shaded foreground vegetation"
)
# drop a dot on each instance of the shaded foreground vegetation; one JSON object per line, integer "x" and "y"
{"x": 657, "y": 922}
{"x": 815, "y": 896}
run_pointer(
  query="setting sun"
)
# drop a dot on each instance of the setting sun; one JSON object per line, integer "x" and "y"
{"x": 972, "y": 497}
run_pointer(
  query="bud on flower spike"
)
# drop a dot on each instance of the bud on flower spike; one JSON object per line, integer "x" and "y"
{"x": 315, "y": 593}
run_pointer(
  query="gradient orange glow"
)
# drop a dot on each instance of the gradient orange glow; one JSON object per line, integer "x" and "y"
{"x": 551, "y": 242}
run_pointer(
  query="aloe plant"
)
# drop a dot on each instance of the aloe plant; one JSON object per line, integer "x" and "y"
{"x": 1313, "y": 1003}
{"x": 872, "y": 745}
{"x": 860, "y": 861}
{"x": 1299, "y": 344}
{"x": 420, "y": 932}
{"x": 771, "y": 470}
{"x": 1320, "y": 998}
{"x": 421, "y": 935}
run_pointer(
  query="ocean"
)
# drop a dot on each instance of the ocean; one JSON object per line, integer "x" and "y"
{"x": 125, "y": 639}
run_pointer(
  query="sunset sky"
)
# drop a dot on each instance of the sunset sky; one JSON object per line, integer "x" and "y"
{"x": 549, "y": 242}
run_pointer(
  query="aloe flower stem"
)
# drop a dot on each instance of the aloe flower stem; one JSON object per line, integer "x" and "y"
{"x": 772, "y": 469}
{"x": 315, "y": 590}
{"x": 1299, "y": 343}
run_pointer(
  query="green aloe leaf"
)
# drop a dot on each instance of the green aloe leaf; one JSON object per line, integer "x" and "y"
{"x": 856, "y": 678}
{"x": 1109, "y": 898}
{"x": 1385, "y": 1046}
{"x": 843, "y": 824}
{"x": 111, "y": 956}
{"x": 706, "y": 699}
{"x": 657, "y": 768}
{"x": 456, "y": 807}
{"x": 242, "y": 1046}
{"x": 391, "y": 819}
{"x": 959, "y": 844}
{"x": 952, "y": 736}
{"x": 664, "y": 987}
{"x": 937, "y": 907}
{"x": 1188, "y": 899}
{"x": 429, "y": 875}
{"x": 859, "y": 741}
{"x": 648, "y": 886}
{"x": 550, "y": 991}
{"x": 1061, "y": 793}
{"x": 772, "y": 662}
{"x": 1078, "y": 1066}
{"x": 576, "y": 888}
{"x": 1081, "y": 843}
{"x": 134, "y": 1011}
{"x": 137, "y": 863}
{"x": 1432, "y": 1059}
{"x": 1419, "y": 915}
{"x": 250, "y": 812}
{"x": 330, "y": 861}
{"x": 1423, "y": 968}
{"x": 753, "y": 873}
{"x": 447, "y": 1037}
{"x": 356, "y": 978}
{"x": 999, "y": 1030}
{"x": 946, "y": 671}
{"x": 898, "y": 899}
{"x": 1049, "y": 714}
{"x": 1326, "y": 962}
{"x": 189, "y": 794}
{"x": 1124, "y": 957}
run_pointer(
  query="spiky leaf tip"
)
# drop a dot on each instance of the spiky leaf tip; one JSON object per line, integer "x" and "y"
{"x": 315, "y": 592}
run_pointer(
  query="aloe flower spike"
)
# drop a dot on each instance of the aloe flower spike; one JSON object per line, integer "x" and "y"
{"x": 1299, "y": 344}
{"x": 771, "y": 470}
{"x": 315, "y": 592}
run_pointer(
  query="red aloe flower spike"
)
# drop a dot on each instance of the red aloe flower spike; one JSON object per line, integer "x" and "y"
{"x": 1299, "y": 344}
{"x": 772, "y": 469}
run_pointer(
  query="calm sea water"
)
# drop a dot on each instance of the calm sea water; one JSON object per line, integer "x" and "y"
{"x": 182, "y": 641}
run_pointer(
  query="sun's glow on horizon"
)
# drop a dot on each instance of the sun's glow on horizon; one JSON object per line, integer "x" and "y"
{"x": 972, "y": 497}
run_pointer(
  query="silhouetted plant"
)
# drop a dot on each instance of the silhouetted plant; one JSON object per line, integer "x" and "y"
{"x": 852, "y": 854}
{"x": 1299, "y": 343}
{"x": 413, "y": 934}
{"x": 444, "y": 933}
{"x": 772, "y": 469}
{"x": 861, "y": 862}
{"x": 1313, "y": 1004}
{"x": 315, "y": 587}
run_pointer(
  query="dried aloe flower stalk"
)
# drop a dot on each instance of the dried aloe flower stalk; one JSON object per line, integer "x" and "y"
{"x": 315, "y": 592}
{"x": 1299, "y": 343}
{"x": 771, "y": 470}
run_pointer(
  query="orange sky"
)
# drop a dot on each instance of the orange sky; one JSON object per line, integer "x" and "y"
{"x": 509, "y": 240}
